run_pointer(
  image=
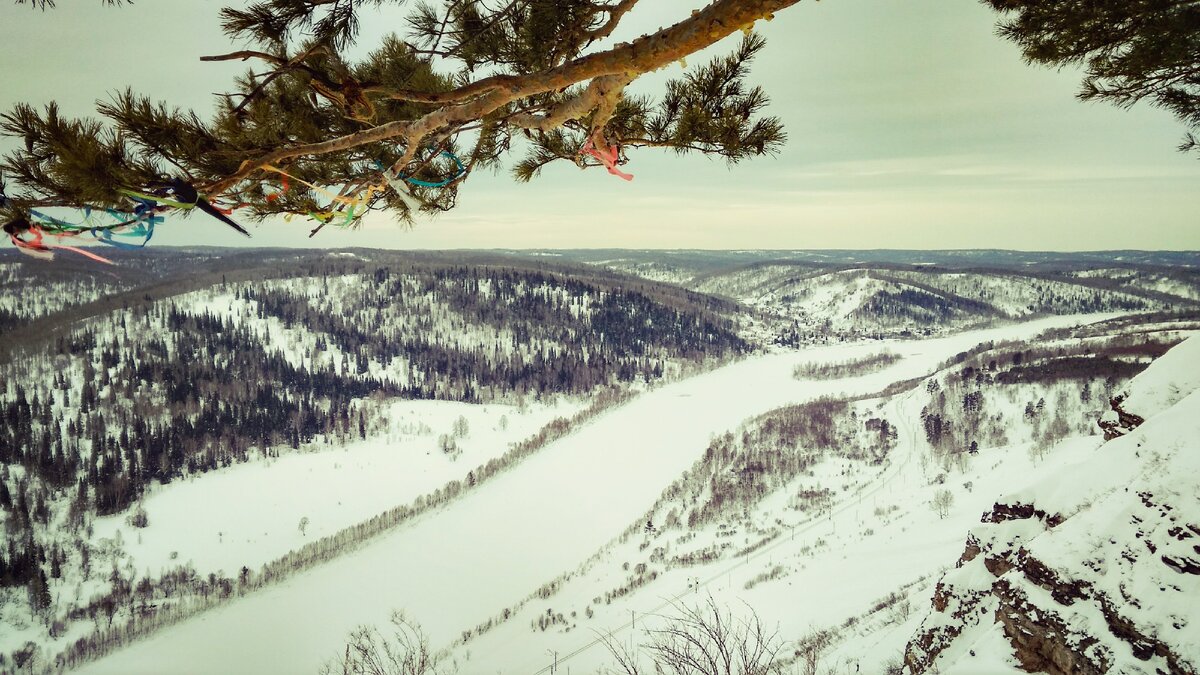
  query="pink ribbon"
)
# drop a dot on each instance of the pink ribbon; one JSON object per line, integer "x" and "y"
{"x": 607, "y": 157}
{"x": 39, "y": 249}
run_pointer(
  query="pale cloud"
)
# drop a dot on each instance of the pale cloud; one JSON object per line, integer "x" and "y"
{"x": 970, "y": 167}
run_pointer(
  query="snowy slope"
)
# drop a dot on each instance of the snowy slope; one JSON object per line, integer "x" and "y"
{"x": 1099, "y": 573}
{"x": 864, "y": 300}
{"x": 1163, "y": 384}
{"x": 1182, "y": 283}
{"x": 857, "y": 569}
{"x": 121, "y": 413}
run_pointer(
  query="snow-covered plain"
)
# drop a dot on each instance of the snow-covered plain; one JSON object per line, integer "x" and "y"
{"x": 457, "y": 566}
{"x": 249, "y": 514}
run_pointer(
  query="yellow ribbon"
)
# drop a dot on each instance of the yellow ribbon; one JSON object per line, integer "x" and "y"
{"x": 352, "y": 202}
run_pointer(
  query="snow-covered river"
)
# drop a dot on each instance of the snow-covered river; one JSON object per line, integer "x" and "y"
{"x": 459, "y": 565}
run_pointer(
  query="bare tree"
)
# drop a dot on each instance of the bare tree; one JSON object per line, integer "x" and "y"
{"x": 702, "y": 640}
{"x": 943, "y": 501}
{"x": 370, "y": 652}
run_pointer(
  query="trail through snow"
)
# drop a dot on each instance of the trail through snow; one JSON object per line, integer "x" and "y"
{"x": 456, "y": 566}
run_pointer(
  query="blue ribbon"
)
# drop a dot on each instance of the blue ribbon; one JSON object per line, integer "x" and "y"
{"x": 144, "y": 222}
{"x": 462, "y": 170}
{"x": 143, "y": 229}
{"x": 55, "y": 221}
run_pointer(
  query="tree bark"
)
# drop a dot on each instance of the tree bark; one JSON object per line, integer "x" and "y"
{"x": 624, "y": 62}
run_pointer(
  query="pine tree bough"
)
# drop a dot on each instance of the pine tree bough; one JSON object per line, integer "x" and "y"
{"x": 1131, "y": 50}
{"x": 471, "y": 80}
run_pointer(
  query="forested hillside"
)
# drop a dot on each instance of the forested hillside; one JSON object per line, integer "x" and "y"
{"x": 31, "y": 289}
{"x": 865, "y": 301}
{"x": 810, "y": 296}
{"x": 104, "y": 407}
{"x": 196, "y": 381}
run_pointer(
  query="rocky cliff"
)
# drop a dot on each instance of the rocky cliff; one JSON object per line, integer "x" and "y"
{"x": 1093, "y": 571}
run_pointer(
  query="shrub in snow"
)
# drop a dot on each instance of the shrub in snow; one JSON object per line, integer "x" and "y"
{"x": 139, "y": 517}
{"x": 447, "y": 444}
{"x": 696, "y": 638}
{"x": 371, "y": 651}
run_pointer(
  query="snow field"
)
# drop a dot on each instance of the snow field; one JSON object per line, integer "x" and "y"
{"x": 1128, "y": 508}
{"x": 1163, "y": 383}
{"x": 249, "y": 514}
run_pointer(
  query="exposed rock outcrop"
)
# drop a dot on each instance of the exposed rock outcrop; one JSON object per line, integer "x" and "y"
{"x": 1167, "y": 381}
{"x": 1118, "y": 421}
{"x": 1059, "y": 618}
{"x": 1096, "y": 571}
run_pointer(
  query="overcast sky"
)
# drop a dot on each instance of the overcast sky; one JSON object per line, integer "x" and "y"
{"x": 911, "y": 125}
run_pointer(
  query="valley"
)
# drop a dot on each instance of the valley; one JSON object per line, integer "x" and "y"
{"x": 542, "y": 463}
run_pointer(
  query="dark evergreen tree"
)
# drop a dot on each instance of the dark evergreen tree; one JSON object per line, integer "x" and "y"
{"x": 1133, "y": 50}
{"x": 39, "y": 591}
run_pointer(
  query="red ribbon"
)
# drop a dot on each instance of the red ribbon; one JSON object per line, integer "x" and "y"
{"x": 607, "y": 157}
{"x": 39, "y": 249}
{"x": 275, "y": 195}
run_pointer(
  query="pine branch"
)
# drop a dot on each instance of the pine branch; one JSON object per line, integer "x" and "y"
{"x": 1131, "y": 50}
{"x": 331, "y": 123}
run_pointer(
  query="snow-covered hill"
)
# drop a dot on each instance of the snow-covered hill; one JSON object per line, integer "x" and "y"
{"x": 848, "y": 302}
{"x": 1095, "y": 569}
{"x": 810, "y": 296}
{"x": 868, "y": 300}
{"x": 347, "y": 376}
{"x": 823, "y": 518}
{"x": 812, "y": 519}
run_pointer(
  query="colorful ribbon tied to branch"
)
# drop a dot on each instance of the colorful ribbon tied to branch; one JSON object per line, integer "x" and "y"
{"x": 138, "y": 224}
{"x": 353, "y": 203}
{"x": 185, "y": 197}
{"x": 282, "y": 190}
{"x": 459, "y": 172}
{"x": 37, "y": 246}
{"x": 608, "y": 157}
{"x": 410, "y": 200}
